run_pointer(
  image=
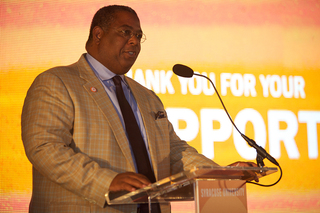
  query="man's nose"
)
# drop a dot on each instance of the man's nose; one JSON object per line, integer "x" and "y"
{"x": 134, "y": 40}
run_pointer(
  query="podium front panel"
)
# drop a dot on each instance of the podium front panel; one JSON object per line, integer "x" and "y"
{"x": 221, "y": 196}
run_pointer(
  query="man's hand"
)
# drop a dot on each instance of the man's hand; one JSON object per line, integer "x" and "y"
{"x": 128, "y": 181}
{"x": 247, "y": 164}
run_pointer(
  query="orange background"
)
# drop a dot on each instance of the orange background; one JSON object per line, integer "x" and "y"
{"x": 274, "y": 37}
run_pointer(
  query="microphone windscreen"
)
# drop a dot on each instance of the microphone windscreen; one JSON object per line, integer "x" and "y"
{"x": 182, "y": 71}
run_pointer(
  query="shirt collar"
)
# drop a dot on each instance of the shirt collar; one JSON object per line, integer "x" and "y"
{"x": 102, "y": 72}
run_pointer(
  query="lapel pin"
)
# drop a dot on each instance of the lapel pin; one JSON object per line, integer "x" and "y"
{"x": 93, "y": 89}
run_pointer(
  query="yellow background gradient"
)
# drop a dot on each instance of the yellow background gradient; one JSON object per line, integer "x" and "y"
{"x": 277, "y": 37}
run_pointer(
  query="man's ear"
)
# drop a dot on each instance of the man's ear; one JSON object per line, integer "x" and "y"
{"x": 97, "y": 34}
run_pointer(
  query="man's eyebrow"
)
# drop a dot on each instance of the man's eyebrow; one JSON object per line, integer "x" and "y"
{"x": 128, "y": 26}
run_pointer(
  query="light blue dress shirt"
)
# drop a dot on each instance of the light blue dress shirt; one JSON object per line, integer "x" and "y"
{"x": 105, "y": 76}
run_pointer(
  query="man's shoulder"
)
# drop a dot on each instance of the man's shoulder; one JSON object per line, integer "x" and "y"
{"x": 71, "y": 70}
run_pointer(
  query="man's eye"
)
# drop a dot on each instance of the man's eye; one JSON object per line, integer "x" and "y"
{"x": 127, "y": 32}
{"x": 139, "y": 35}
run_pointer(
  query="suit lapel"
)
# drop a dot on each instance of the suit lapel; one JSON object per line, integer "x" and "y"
{"x": 148, "y": 118}
{"x": 96, "y": 90}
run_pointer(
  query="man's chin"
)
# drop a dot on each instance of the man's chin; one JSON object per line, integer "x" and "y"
{"x": 124, "y": 70}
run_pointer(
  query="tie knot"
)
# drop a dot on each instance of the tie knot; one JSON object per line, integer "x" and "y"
{"x": 117, "y": 80}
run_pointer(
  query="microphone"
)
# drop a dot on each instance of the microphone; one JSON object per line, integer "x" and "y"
{"x": 185, "y": 71}
{"x": 182, "y": 71}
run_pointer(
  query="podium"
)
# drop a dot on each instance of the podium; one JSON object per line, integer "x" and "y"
{"x": 213, "y": 189}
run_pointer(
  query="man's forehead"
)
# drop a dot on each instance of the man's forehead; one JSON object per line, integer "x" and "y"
{"x": 126, "y": 19}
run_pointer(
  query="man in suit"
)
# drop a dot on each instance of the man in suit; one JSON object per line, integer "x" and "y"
{"x": 74, "y": 132}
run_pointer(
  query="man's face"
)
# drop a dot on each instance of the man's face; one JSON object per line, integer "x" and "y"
{"x": 115, "y": 51}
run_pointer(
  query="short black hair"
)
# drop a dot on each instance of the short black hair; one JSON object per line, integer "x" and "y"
{"x": 106, "y": 15}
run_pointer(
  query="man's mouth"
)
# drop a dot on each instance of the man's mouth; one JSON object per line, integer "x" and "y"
{"x": 131, "y": 54}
